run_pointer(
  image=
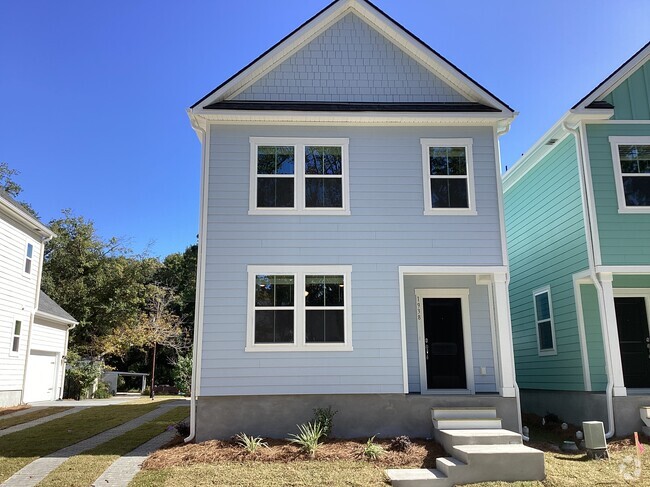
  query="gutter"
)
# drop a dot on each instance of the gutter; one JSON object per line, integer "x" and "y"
{"x": 198, "y": 305}
{"x": 594, "y": 278}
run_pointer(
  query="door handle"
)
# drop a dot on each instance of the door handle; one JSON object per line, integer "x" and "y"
{"x": 426, "y": 348}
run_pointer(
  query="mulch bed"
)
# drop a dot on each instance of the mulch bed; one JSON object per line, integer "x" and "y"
{"x": 422, "y": 454}
{"x": 13, "y": 409}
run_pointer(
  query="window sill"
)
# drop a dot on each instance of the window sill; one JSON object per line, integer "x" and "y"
{"x": 300, "y": 348}
{"x": 634, "y": 209}
{"x": 546, "y": 353}
{"x": 325, "y": 212}
{"x": 451, "y": 211}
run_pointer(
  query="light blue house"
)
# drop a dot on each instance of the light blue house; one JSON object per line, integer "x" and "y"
{"x": 578, "y": 222}
{"x": 352, "y": 244}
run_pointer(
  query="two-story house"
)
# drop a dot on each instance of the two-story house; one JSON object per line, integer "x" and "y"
{"x": 352, "y": 244}
{"x": 33, "y": 328}
{"x": 578, "y": 221}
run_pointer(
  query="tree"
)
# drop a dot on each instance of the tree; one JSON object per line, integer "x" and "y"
{"x": 178, "y": 272}
{"x": 11, "y": 187}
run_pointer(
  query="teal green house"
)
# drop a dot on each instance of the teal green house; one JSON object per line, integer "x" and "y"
{"x": 577, "y": 213}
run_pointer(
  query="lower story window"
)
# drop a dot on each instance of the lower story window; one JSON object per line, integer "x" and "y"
{"x": 299, "y": 308}
{"x": 544, "y": 322}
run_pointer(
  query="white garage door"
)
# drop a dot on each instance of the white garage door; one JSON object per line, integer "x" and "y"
{"x": 40, "y": 382}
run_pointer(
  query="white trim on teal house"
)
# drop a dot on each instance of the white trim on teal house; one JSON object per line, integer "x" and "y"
{"x": 567, "y": 190}
{"x": 383, "y": 240}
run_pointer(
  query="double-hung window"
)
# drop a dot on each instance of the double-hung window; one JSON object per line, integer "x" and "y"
{"x": 15, "y": 342}
{"x": 29, "y": 252}
{"x": 299, "y": 308}
{"x": 448, "y": 177}
{"x": 299, "y": 176}
{"x": 631, "y": 157}
{"x": 544, "y": 321}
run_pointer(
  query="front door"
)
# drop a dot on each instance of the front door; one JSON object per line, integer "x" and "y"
{"x": 444, "y": 348}
{"x": 634, "y": 340}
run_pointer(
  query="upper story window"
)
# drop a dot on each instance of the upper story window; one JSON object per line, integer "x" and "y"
{"x": 299, "y": 308}
{"x": 29, "y": 252}
{"x": 544, "y": 321}
{"x": 631, "y": 157}
{"x": 299, "y": 176}
{"x": 448, "y": 177}
{"x": 15, "y": 342}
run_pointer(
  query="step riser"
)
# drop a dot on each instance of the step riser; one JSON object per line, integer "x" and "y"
{"x": 466, "y": 424}
{"x": 450, "y": 466}
{"x": 505, "y": 468}
{"x": 460, "y": 413}
{"x": 448, "y": 441}
{"x": 422, "y": 483}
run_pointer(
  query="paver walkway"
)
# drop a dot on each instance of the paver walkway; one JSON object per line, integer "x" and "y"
{"x": 36, "y": 422}
{"x": 122, "y": 470}
{"x": 36, "y": 471}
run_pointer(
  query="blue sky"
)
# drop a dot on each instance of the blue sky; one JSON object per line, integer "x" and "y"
{"x": 93, "y": 94}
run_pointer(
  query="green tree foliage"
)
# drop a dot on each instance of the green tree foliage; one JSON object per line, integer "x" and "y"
{"x": 11, "y": 187}
{"x": 182, "y": 373}
{"x": 178, "y": 273}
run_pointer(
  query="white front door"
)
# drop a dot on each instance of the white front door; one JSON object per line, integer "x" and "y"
{"x": 40, "y": 383}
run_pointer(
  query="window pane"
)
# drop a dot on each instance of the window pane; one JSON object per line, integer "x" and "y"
{"x": 273, "y": 326}
{"x": 326, "y": 326}
{"x": 28, "y": 266}
{"x": 324, "y": 193}
{"x": 637, "y": 190}
{"x": 323, "y": 160}
{"x": 17, "y": 328}
{"x": 542, "y": 306}
{"x": 16, "y": 344}
{"x": 275, "y": 192}
{"x": 334, "y": 291}
{"x": 30, "y": 250}
{"x": 449, "y": 193}
{"x": 275, "y": 160}
{"x": 457, "y": 161}
{"x": 274, "y": 290}
{"x": 438, "y": 160}
{"x": 545, "y": 335}
{"x": 629, "y": 166}
{"x": 314, "y": 290}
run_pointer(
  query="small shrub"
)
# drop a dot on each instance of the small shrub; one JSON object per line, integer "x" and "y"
{"x": 372, "y": 451}
{"x": 250, "y": 443}
{"x": 183, "y": 428}
{"x": 308, "y": 437}
{"x": 182, "y": 373}
{"x": 324, "y": 417}
{"x": 401, "y": 443}
{"x": 102, "y": 391}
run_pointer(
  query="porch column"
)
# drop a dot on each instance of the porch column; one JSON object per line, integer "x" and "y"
{"x": 504, "y": 335}
{"x": 610, "y": 333}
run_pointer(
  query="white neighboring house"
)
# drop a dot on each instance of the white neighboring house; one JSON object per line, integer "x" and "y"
{"x": 33, "y": 328}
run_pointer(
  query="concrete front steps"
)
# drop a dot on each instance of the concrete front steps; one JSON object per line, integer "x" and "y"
{"x": 480, "y": 451}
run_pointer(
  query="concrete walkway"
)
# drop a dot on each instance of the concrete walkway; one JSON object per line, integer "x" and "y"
{"x": 36, "y": 422}
{"x": 32, "y": 474}
{"x": 122, "y": 471}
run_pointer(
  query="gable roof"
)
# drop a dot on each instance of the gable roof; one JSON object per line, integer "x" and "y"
{"x": 16, "y": 211}
{"x": 49, "y": 307}
{"x": 371, "y": 14}
{"x": 590, "y": 100}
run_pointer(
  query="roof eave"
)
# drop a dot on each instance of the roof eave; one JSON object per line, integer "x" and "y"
{"x": 25, "y": 218}
{"x": 56, "y": 319}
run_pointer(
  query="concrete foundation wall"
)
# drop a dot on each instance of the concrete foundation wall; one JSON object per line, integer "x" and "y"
{"x": 9, "y": 398}
{"x": 626, "y": 413}
{"x": 359, "y": 415}
{"x": 571, "y": 406}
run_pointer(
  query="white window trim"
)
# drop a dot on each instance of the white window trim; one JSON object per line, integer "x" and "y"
{"x": 614, "y": 142}
{"x": 299, "y": 344}
{"x": 299, "y": 175}
{"x": 546, "y": 351}
{"x": 13, "y": 336}
{"x": 467, "y": 144}
{"x": 31, "y": 259}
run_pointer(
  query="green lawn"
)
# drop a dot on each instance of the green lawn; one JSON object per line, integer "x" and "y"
{"x": 82, "y": 470}
{"x": 27, "y": 417}
{"x": 22, "y": 447}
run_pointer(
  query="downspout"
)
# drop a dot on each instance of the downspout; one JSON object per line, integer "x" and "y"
{"x": 198, "y": 321}
{"x": 609, "y": 391}
{"x": 44, "y": 240}
{"x": 499, "y": 131}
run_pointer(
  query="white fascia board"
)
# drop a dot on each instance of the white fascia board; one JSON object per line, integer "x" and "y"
{"x": 539, "y": 149}
{"x": 385, "y": 26}
{"x": 24, "y": 218}
{"x": 56, "y": 319}
{"x": 371, "y": 118}
{"x": 621, "y": 75}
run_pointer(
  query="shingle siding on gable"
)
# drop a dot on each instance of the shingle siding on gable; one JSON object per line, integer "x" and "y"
{"x": 350, "y": 61}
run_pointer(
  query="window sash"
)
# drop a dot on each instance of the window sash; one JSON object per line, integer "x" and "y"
{"x": 29, "y": 252}
{"x": 631, "y": 159}
{"x": 15, "y": 342}
{"x": 543, "y": 309}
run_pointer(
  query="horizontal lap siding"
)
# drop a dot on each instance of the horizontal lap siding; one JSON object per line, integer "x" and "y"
{"x": 17, "y": 294}
{"x": 546, "y": 246}
{"x": 386, "y": 229}
{"x": 623, "y": 237}
{"x": 49, "y": 338}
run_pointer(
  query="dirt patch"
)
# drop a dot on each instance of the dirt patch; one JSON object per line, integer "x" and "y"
{"x": 13, "y": 409}
{"x": 422, "y": 454}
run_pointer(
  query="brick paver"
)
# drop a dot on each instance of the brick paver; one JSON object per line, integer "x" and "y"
{"x": 36, "y": 422}
{"x": 36, "y": 471}
{"x": 122, "y": 470}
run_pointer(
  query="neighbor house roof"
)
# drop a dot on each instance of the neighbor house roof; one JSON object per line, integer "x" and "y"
{"x": 15, "y": 210}
{"x": 285, "y": 47}
{"x": 49, "y": 308}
